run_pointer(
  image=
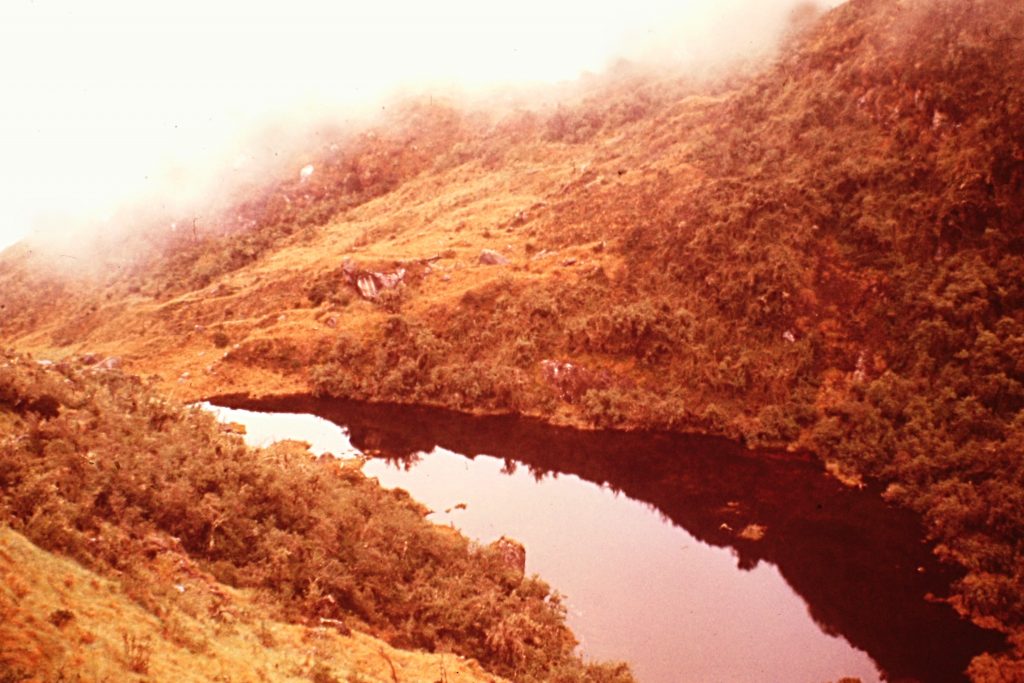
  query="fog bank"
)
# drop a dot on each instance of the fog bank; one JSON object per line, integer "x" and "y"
{"x": 114, "y": 101}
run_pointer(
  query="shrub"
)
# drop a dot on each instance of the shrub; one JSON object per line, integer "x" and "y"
{"x": 220, "y": 339}
{"x": 316, "y": 535}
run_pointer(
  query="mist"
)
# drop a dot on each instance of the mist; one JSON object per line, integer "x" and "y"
{"x": 113, "y": 102}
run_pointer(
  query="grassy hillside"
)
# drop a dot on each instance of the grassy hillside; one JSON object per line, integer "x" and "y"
{"x": 62, "y": 622}
{"x": 95, "y": 466}
{"x": 826, "y": 254}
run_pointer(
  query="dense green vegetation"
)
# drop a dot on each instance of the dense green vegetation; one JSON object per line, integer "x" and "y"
{"x": 906, "y": 184}
{"x": 846, "y": 277}
{"x": 828, "y": 255}
{"x": 96, "y": 466}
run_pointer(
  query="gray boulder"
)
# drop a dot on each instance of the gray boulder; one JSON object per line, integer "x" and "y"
{"x": 489, "y": 257}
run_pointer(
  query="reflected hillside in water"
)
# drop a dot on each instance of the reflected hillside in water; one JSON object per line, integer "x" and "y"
{"x": 857, "y": 562}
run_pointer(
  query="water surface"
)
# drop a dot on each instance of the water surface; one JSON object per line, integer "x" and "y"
{"x": 688, "y": 557}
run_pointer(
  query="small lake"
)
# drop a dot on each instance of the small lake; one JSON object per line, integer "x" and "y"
{"x": 688, "y": 557}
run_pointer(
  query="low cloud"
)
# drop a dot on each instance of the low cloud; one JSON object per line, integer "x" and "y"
{"x": 114, "y": 102}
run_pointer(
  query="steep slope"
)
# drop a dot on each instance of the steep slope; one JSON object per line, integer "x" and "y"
{"x": 826, "y": 254}
{"x": 63, "y": 622}
{"x": 154, "y": 496}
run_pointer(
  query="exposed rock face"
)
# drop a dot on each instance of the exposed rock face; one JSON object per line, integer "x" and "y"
{"x": 111, "y": 363}
{"x": 512, "y": 554}
{"x": 489, "y": 257}
{"x": 371, "y": 283}
{"x": 572, "y": 380}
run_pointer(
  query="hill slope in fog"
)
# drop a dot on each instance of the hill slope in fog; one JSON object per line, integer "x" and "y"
{"x": 827, "y": 254}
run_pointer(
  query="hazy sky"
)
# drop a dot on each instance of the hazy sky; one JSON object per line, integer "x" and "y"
{"x": 102, "y": 97}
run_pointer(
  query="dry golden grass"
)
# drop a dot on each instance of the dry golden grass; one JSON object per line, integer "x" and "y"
{"x": 62, "y": 622}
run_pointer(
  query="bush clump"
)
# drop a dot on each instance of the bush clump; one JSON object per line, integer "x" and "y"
{"x": 116, "y": 464}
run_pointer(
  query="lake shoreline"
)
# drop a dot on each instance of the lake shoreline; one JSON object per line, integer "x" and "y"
{"x": 790, "y": 497}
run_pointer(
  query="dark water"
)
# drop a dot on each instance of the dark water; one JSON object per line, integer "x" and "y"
{"x": 644, "y": 534}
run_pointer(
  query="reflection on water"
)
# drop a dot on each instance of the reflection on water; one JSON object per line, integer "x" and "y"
{"x": 687, "y": 556}
{"x": 639, "y": 588}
